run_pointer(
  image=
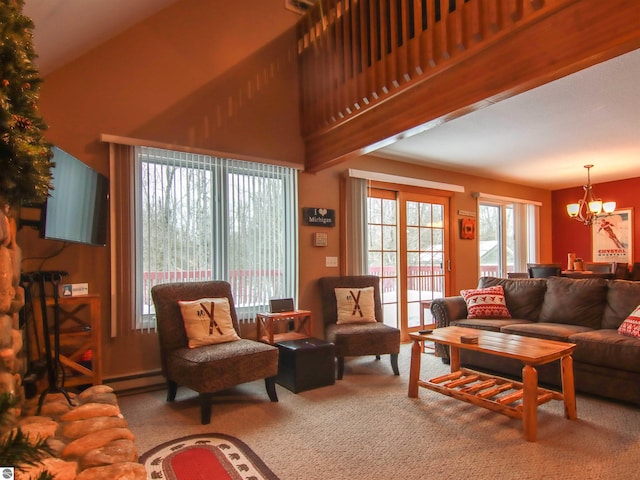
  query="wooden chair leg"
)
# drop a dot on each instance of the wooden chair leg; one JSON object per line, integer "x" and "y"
{"x": 340, "y": 368}
{"x": 205, "y": 408}
{"x": 270, "y": 384}
{"x": 394, "y": 363}
{"x": 172, "y": 390}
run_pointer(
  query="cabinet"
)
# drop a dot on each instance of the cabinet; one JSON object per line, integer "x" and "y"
{"x": 299, "y": 325}
{"x": 80, "y": 339}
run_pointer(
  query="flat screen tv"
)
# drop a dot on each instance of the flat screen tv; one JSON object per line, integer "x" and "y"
{"x": 78, "y": 207}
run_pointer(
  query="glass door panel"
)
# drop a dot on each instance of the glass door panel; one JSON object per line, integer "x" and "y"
{"x": 383, "y": 250}
{"x": 425, "y": 259}
{"x": 408, "y": 250}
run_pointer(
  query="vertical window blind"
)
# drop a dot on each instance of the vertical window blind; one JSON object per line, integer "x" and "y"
{"x": 193, "y": 217}
{"x": 205, "y": 218}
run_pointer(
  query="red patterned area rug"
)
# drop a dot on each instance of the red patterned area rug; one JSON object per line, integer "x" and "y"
{"x": 205, "y": 457}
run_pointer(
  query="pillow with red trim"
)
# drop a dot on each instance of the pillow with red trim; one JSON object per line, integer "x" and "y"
{"x": 207, "y": 321}
{"x": 486, "y": 302}
{"x": 631, "y": 325}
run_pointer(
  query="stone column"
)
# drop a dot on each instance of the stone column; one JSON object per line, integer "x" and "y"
{"x": 12, "y": 362}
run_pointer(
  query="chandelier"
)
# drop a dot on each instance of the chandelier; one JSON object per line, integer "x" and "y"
{"x": 589, "y": 207}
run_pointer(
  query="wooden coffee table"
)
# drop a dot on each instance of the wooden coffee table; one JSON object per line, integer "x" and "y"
{"x": 515, "y": 399}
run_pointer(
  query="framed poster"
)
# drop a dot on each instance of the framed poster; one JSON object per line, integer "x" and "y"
{"x": 612, "y": 237}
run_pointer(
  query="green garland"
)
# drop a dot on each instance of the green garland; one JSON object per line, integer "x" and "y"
{"x": 25, "y": 155}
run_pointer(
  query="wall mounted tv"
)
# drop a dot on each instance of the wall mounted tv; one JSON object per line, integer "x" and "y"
{"x": 78, "y": 207}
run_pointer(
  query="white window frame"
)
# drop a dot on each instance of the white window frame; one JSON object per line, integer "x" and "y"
{"x": 221, "y": 169}
{"x": 526, "y": 230}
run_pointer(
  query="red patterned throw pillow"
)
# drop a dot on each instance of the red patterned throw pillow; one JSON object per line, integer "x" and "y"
{"x": 631, "y": 324}
{"x": 486, "y": 302}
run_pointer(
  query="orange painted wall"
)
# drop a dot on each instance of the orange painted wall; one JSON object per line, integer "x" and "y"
{"x": 206, "y": 75}
{"x": 322, "y": 190}
{"x": 198, "y": 74}
{"x": 572, "y": 236}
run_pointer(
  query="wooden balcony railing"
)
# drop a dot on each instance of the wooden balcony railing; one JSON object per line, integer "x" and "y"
{"x": 358, "y": 55}
{"x": 354, "y": 53}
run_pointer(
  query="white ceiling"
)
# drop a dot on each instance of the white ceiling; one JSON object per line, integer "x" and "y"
{"x": 540, "y": 138}
{"x": 545, "y": 136}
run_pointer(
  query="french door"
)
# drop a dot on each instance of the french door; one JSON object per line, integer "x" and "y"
{"x": 409, "y": 250}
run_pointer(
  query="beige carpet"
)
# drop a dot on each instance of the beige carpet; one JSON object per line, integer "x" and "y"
{"x": 366, "y": 428}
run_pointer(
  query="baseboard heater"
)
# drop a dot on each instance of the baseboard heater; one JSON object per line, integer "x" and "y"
{"x": 136, "y": 381}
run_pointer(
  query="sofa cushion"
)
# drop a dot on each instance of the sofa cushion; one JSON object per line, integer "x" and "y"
{"x": 607, "y": 348}
{"x": 524, "y": 297}
{"x": 574, "y": 301}
{"x": 549, "y": 331}
{"x": 363, "y": 339}
{"x": 486, "y": 302}
{"x": 491, "y": 324}
{"x": 623, "y": 297}
{"x": 216, "y": 367}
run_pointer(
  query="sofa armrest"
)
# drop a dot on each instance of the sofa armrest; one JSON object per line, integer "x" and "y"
{"x": 448, "y": 309}
{"x": 444, "y": 311}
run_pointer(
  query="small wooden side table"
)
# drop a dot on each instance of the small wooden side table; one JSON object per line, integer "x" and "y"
{"x": 302, "y": 326}
{"x": 79, "y": 336}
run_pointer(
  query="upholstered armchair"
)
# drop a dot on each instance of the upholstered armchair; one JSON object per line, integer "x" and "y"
{"x": 359, "y": 338}
{"x": 209, "y": 368}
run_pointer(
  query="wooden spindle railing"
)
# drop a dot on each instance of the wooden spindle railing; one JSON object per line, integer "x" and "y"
{"x": 354, "y": 53}
{"x": 374, "y": 71}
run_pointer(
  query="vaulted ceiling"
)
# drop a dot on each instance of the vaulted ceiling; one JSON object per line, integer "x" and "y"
{"x": 540, "y": 138}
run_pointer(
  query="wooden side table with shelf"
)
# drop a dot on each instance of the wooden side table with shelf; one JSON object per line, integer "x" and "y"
{"x": 80, "y": 338}
{"x": 300, "y": 320}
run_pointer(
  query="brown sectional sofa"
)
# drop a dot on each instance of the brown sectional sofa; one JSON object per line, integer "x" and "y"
{"x": 586, "y": 312}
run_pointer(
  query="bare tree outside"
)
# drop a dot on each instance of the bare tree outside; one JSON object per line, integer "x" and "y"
{"x": 206, "y": 218}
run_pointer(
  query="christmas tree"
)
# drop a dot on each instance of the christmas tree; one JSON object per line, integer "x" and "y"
{"x": 25, "y": 155}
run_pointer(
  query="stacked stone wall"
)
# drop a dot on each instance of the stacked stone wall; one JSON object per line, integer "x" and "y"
{"x": 12, "y": 361}
{"x": 89, "y": 436}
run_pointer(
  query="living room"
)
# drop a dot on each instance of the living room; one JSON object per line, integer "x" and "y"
{"x": 160, "y": 79}
{"x": 140, "y": 85}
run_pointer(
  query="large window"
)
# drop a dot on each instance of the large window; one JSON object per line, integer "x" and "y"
{"x": 508, "y": 232}
{"x": 202, "y": 218}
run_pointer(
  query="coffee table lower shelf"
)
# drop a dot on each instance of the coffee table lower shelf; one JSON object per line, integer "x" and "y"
{"x": 491, "y": 392}
{"x": 515, "y": 399}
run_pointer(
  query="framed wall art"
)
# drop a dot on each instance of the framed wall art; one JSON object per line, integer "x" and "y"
{"x": 612, "y": 237}
{"x": 468, "y": 228}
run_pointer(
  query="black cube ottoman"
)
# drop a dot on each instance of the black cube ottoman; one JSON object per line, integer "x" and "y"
{"x": 305, "y": 364}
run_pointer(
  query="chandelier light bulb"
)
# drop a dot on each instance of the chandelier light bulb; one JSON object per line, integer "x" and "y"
{"x": 573, "y": 209}
{"x": 595, "y": 206}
